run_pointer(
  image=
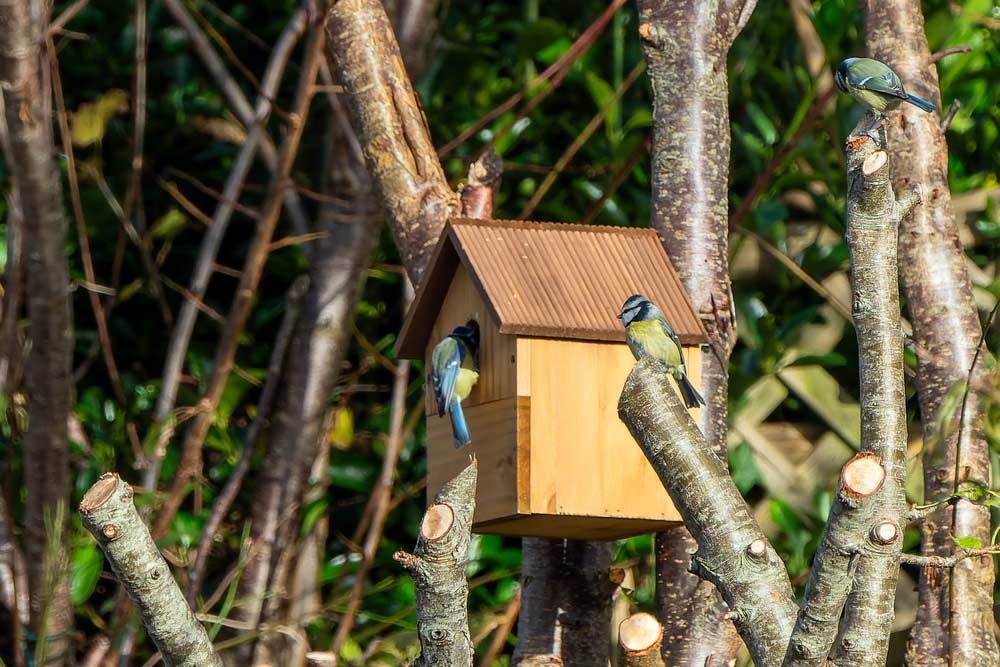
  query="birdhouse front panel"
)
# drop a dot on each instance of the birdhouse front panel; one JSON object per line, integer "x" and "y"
{"x": 542, "y": 420}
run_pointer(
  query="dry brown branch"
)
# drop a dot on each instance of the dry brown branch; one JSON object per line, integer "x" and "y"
{"x": 190, "y": 458}
{"x": 181, "y": 335}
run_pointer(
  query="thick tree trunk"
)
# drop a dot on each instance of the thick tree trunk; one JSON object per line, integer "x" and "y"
{"x": 403, "y": 164}
{"x": 686, "y": 44}
{"x": 954, "y": 624}
{"x": 48, "y": 367}
{"x": 323, "y": 333}
{"x": 565, "y": 614}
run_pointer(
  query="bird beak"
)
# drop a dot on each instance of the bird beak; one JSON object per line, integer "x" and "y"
{"x": 619, "y": 315}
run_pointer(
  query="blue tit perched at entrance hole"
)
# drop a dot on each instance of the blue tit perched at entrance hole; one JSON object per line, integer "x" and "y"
{"x": 648, "y": 334}
{"x": 454, "y": 371}
{"x": 875, "y": 86}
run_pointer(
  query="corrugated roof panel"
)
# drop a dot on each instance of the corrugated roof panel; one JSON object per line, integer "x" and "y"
{"x": 555, "y": 279}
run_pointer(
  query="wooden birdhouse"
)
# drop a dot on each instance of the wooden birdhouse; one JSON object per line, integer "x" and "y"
{"x": 554, "y": 458}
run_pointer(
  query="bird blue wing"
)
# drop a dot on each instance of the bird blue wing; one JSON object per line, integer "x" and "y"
{"x": 446, "y": 360}
{"x": 887, "y": 83}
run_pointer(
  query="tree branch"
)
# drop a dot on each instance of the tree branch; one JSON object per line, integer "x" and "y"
{"x": 108, "y": 512}
{"x": 946, "y": 325}
{"x": 190, "y": 458}
{"x": 390, "y": 125}
{"x": 640, "y": 636}
{"x": 873, "y": 216}
{"x": 437, "y": 566}
{"x": 733, "y": 553}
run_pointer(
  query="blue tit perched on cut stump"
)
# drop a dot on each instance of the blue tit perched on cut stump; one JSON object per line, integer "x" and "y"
{"x": 648, "y": 334}
{"x": 876, "y": 87}
{"x": 454, "y": 372}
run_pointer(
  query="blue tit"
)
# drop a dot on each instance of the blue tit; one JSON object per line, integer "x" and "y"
{"x": 875, "y": 86}
{"x": 453, "y": 373}
{"x": 648, "y": 334}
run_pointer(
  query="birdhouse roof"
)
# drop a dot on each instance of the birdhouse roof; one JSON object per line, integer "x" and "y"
{"x": 551, "y": 280}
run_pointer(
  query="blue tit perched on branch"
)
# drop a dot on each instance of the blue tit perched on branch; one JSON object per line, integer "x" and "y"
{"x": 453, "y": 373}
{"x": 875, "y": 86}
{"x": 648, "y": 334}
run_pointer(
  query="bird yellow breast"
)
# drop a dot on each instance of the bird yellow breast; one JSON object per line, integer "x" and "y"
{"x": 876, "y": 101}
{"x": 655, "y": 341}
{"x": 464, "y": 382}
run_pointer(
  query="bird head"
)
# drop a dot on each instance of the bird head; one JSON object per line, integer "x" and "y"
{"x": 843, "y": 71}
{"x": 468, "y": 334}
{"x": 636, "y": 307}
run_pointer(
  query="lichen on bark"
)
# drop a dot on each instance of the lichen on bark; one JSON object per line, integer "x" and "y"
{"x": 437, "y": 566}
{"x": 109, "y": 513}
{"x": 954, "y": 625}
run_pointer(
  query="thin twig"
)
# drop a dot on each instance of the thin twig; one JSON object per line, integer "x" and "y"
{"x": 181, "y": 337}
{"x": 66, "y": 16}
{"x": 799, "y": 272}
{"x": 190, "y": 457}
{"x": 938, "y": 55}
{"x": 293, "y": 304}
{"x": 577, "y": 49}
{"x": 947, "y": 561}
{"x": 383, "y": 491}
{"x": 81, "y": 228}
{"x": 813, "y": 114}
{"x": 234, "y": 95}
{"x": 956, "y": 104}
{"x": 581, "y": 139}
{"x": 133, "y": 194}
{"x": 211, "y": 192}
{"x": 502, "y": 631}
{"x": 616, "y": 181}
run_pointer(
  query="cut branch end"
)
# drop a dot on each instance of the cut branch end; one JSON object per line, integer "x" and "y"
{"x": 437, "y": 522}
{"x": 862, "y": 476}
{"x": 640, "y": 633}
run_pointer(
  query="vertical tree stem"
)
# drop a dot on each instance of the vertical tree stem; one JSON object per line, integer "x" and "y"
{"x": 954, "y": 625}
{"x": 47, "y": 370}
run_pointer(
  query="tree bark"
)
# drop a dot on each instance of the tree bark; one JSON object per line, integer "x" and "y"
{"x": 686, "y": 44}
{"x": 318, "y": 348}
{"x": 108, "y": 512}
{"x": 733, "y": 553}
{"x": 48, "y": 366}
{"x": 954, "y": 624}
{"x": 873, "y": 216}
{"x": 437, "y": 566}
{"x": 565, "y": 615}
{"x": 387, "y": 118}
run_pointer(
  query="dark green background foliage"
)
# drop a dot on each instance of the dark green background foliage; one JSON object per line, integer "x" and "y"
{"x": 483, "y": 53}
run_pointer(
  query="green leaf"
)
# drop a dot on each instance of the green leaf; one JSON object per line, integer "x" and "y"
{"x": 763, "y": 124}
{"x": 968, "y": 542}
{"x": 784, "y": 516}
{"x": 743, "y": 468}
{"x": 826, "y": 360}
{"x": 88, "y": 562}
{"x": 602, "y": 92}
{"x": 312, "y": 513}
{"x": 169, "y": 225}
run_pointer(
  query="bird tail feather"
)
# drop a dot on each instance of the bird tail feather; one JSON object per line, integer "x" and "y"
{"x": 692, "y": 398}
{"x": 459, "y": 430}
{"x": 920, "y": 102}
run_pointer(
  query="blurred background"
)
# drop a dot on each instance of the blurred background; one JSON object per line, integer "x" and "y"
{"x": 793, "y": 400}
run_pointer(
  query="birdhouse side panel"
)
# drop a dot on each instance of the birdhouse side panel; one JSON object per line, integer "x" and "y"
{"x": 494, "y": 427}
{"x": 584, "y": 461}
{"x": 497, "y": 352}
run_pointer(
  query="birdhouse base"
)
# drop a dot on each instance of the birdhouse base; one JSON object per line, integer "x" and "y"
{"x": 570, "y": 527}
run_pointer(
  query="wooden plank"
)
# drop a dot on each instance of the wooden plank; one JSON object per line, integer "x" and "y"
{"x": 494, "y": 442}
{"x": 584, "y": 462}
{"x": 497, "y": 352}
{"x": 572, "y": 527}
{"x": 824, "y": 396}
